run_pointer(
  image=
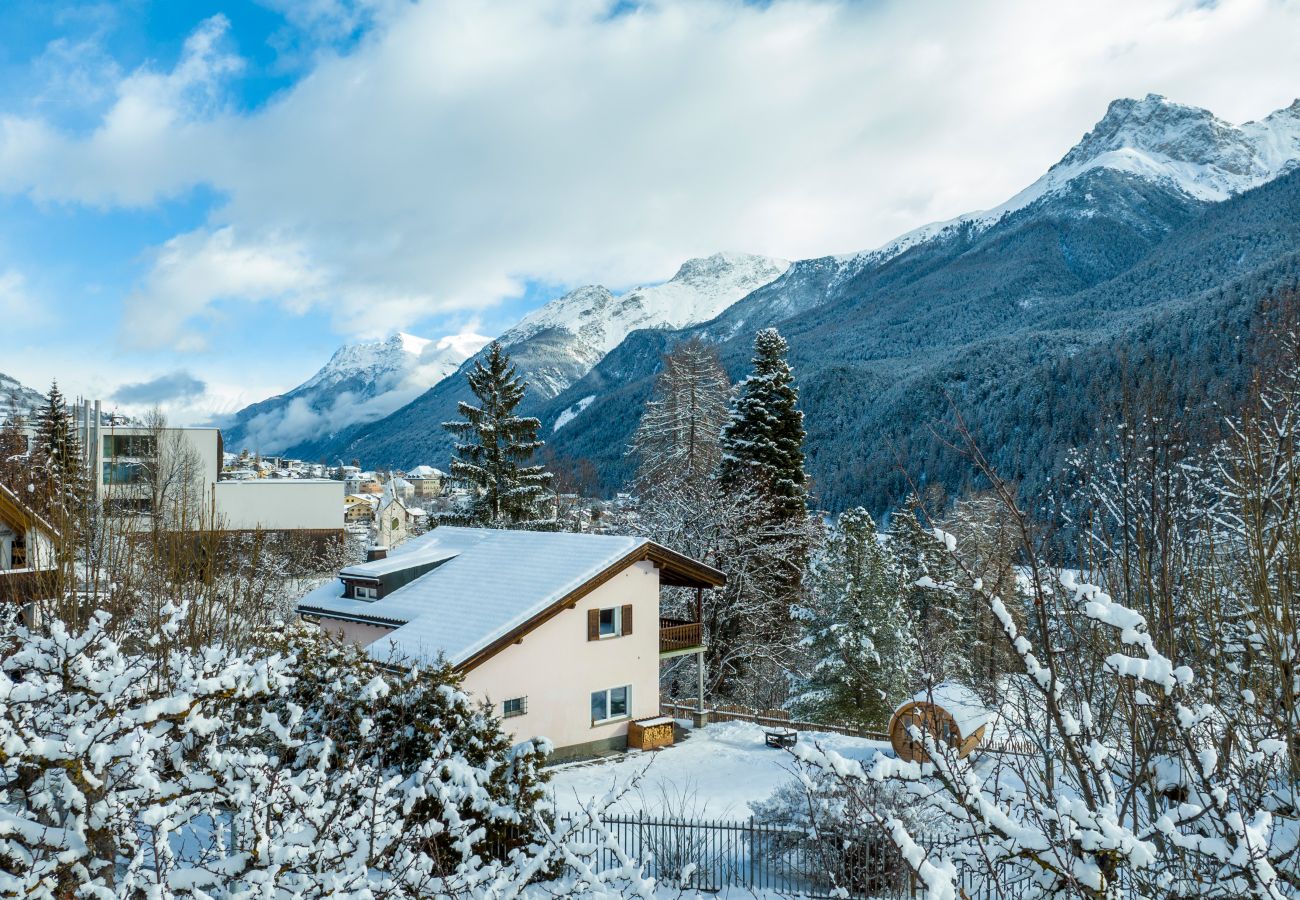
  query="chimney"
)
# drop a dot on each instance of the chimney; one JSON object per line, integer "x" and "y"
{"x": 375, "y": 553}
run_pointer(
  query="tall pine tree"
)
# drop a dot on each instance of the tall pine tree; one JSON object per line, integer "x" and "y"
{"x": 857, "y": 627}
{"x": 56, "y": 454}
{"x": 763, "y": 441}
{"x": 494, "y": 447}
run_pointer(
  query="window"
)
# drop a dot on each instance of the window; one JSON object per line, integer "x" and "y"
{"x": 610, "y": 704}
{"x": 116, "y": 445}
{"x": 614, "y": 621}
{"x": 124, "y": 473}
{"x": 609, "y": 622}
{"x": 514, "y": 707}
{"x": 362, "y": 592}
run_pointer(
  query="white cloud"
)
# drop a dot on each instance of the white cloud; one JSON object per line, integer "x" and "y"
{"x": 19, "y": 310}
{"x": 461, "y": 147}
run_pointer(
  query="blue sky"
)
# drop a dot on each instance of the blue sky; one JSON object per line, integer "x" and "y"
{"x": 216, "y": 195}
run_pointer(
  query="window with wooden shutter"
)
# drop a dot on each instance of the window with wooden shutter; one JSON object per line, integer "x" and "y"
{"x": 627, "y": 618}
{"x": 593, "y": 624}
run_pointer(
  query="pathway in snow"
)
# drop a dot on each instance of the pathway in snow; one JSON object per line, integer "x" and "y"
{"x": 713, "y": 774}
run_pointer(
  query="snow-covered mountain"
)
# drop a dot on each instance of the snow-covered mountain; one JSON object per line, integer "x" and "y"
{"x": 360, "y": 383}
{"x": 579, "y": 328}
{"x": 700, "y": 290}
{"x": 559, "y": 343}
{"x": 1182, "y": 147}
{"x": 1138, "y": 241}
{"x": 14, "y": 395}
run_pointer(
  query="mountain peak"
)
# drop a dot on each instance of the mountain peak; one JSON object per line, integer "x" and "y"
{"x": 1156, "y": 125}
{"x": 702, "y": 288}
{"x": 720, "y": 264}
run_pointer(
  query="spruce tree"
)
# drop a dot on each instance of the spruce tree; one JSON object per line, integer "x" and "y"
{"x": 494, "y": 447}
{"x": 763, "y": 441}
{"x": 857, "y": 627}
{"x": 933, "y": 601}
{"x": 57, "y": 454}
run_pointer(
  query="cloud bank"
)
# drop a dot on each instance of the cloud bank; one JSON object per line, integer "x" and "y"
{"x": 163, "y": 389}
{"x": 459, "y": 149}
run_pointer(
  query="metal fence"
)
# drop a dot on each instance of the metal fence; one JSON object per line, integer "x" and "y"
{"x": 742, "y": 857}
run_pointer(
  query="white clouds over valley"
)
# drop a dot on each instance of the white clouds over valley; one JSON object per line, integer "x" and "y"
{"x": 460, "y": 149}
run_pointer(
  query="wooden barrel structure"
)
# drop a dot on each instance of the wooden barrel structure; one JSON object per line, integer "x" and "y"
{"x": 953, "y": 715}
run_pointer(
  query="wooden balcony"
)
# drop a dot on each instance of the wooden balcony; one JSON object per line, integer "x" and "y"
{"x": 677, "y": 636}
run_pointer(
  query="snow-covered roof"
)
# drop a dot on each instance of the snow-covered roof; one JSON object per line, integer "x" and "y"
{"x": 396, "y": 562}
{"x": 424, "y": 472}
{"x": 494, "y": 580}
{"x": 964, "y": 705}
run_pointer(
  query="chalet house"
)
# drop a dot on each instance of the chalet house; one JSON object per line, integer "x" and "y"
{"x": 560, "y": 632}
{"x": 27, "y": 551}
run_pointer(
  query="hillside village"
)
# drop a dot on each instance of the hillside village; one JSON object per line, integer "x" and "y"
{"x": 967, "y": 566}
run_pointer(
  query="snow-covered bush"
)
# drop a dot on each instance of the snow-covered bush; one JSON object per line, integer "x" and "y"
{"x": 819, "y": 828}
{"x": 1078, "y": 812}
{"x": 171, "y": 771}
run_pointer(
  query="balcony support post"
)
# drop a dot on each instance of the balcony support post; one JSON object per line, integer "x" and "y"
{"x": 700, "y": 718}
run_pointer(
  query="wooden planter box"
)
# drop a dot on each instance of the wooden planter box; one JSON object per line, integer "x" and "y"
{"x": 650, "y": 734}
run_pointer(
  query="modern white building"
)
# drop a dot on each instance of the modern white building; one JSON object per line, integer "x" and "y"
{"x": 133, "y": 467}
{"x": 560, "y": 632}
{"x": 280, "y": 504}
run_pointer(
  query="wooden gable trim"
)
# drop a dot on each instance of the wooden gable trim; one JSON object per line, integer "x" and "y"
{"x": 662, "y": 557}
{"x": 17, "y": 512}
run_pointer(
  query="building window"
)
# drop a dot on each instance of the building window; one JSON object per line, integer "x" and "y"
{"x": 615, "y": 621}
{"x": 514, "y": 707}
{"x": 117, "y": 445}
{"x": 124, "y": 473}
{"x": 611, "y": 622}
{"x": 610, "y": 704}
{"x": 361, "y": 592}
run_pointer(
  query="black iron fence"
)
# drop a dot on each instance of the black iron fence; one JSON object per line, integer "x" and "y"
{"x": 743, "y": 857}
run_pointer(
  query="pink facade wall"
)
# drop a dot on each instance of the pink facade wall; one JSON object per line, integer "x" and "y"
{"x": 557, "y": 668}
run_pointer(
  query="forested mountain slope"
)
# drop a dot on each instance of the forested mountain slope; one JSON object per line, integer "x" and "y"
{"x": 1144, "y": 250}
{"x": 1028, "y": 326}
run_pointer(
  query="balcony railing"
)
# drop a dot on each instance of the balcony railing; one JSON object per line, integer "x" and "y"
{"x": 677, "y": 635}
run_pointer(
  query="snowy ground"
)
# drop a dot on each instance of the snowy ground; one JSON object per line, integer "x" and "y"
{"x": 713, "y": 774}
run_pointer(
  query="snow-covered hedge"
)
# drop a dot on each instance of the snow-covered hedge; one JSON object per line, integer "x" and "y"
{"x": 302, "y": 772}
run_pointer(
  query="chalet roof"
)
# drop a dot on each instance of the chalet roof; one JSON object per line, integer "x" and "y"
{"x": 15, "y": 508}
{"x": 495, "y": 585}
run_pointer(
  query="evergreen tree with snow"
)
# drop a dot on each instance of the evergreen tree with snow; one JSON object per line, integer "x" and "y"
{"x": 932, "y": 598}
{"x": 857, "y": 627}
{"x": 763, "y": 441}
{"x": 56, "y": 456}
{"x": 495, "y": 446}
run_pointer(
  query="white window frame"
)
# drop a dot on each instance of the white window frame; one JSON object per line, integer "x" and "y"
{"x": 371, "y": 592}
{"x": 618, "y": 623}
{"x": 608, "y": 692}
